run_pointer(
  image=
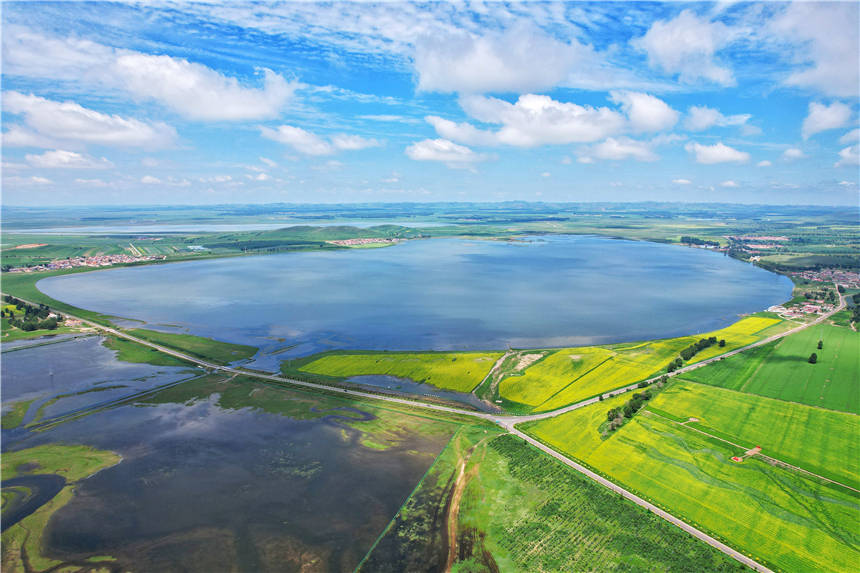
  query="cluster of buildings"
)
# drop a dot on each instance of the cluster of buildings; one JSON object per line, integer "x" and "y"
{"x": 799, "y": 311}
{"x": 848, "y": 279}
{"x": 96, "y": 261}
{"x": 352, "y": 242}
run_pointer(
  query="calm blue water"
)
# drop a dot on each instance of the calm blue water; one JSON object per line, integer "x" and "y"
{"x": 437, "y": 294}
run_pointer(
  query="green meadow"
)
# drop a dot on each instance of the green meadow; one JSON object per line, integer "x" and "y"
{"x": 783, "y": 518}
{"x": 457, "y": 371}
{"x": 782, "y": 370}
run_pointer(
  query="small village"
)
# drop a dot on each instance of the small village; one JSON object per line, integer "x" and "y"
{"x": 95, "y": 262}
{"x": 359, "y": 242}
{"x": 848, "y": 279}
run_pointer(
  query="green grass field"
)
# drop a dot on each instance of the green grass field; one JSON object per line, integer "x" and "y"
{"x": 205, "y": 348}
{"x": 458, "y": 371}
{"x": 790, "y": 522}
{"x": 781, "y": 369}
{"x": 129, "y": 351}
{"x": 821, "y": 441}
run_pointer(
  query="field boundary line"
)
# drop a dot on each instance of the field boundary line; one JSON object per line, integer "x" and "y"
{"x": 630, "y": 496}
{"x": 572, "y": 382}
{"x": 775, "y": 461}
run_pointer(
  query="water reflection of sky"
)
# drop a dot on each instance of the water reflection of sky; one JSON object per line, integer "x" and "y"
{"x": 438, "y": 294}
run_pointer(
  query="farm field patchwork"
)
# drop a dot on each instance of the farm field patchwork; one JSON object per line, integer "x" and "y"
{"x": 789, "y": 521}
{"x": 457, "y": 371}
{"x": 781, "y": 369}
{"x": 821, "y": 441}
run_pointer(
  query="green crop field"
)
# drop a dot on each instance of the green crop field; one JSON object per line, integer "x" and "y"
{"x": 781, "y": 369}
{"x": 521, "y": 510}
{"x": 536, "y": 514}
{"x": 746, "y": 331}
{"x": 821, "y": 441}
{"x": 629, "y": 364}
{"x": 205, "y": 348}
{"x": 458, "y": 371}
{"x": 777, "y": 515}
{"x": 545, "y": 378}
{"x": 569, "y": 375}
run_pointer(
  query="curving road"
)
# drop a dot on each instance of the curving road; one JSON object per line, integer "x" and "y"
{"x": 507, "y": 422}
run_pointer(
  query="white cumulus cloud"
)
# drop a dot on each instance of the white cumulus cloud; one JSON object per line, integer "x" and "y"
{"x": 687, "y": 46}
{"x": 729, "y": 183}
{"x": 150, "y": 180}
{"x": 717, "y": 153}
{"x": 59, "y": 158}
{"x": 310, "y": 143}
{"x": 645, "y": 112}
{"x": 824, "y": 117}
{"x": 448, "y": 152}
{"x": 764, "y": 163}
{"x": 852, "y": 136}
{"x": 48, "y": 122}
{"x": 850, "y": 156}
{"x": 623, "y": 148}
{"x": 792, "y": 153}
{"x": 681, "y": 181}
{"x": 826, "y": 43}
{"x": 189, "y": 88}
{"x": 700, "y": 118}
{"x": 539, "y": 120}
{"x": 520, "y": 59}
{"x": 349, "y": 142}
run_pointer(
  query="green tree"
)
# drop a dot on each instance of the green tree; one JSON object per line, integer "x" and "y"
{"x": 820, "y": 344}
{"x": 813, "y": 358}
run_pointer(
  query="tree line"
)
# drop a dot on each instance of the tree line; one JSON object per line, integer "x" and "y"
{"x": 30, "y": 317}
{"x": 692, "y": 350}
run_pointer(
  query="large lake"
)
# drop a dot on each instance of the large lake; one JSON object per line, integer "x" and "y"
{"x": 437, "y": 294}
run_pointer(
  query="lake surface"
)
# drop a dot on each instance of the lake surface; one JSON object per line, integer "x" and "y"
{"x": 437, "y": 294}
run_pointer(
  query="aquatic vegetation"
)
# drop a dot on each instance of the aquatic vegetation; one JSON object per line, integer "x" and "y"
{"x": 23, "y": 548}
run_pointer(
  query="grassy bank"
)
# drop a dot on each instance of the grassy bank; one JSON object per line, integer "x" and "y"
{"x": 204, "y": 348}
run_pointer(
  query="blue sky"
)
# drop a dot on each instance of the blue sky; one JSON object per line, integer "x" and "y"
{"x": 197, "y": 103}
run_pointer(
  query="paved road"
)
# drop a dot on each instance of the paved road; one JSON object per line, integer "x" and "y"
{"x": 507, "y": 422}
